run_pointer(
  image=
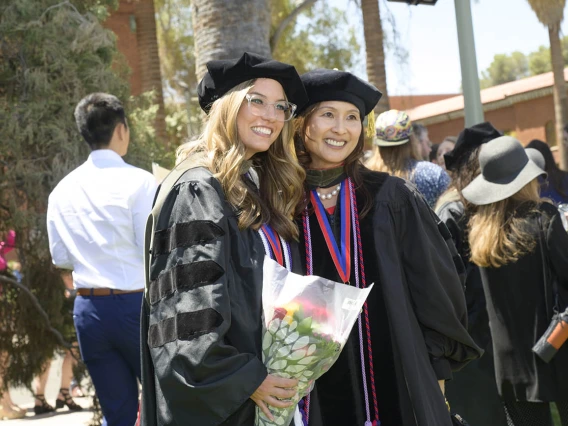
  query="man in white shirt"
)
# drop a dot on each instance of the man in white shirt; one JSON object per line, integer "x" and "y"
{"x": 95, "y": 220}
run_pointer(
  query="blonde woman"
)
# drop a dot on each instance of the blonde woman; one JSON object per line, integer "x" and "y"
{"x": 201, "y": 320}
{"x": 517, "y": 241}
{"x": 395, "y": 153}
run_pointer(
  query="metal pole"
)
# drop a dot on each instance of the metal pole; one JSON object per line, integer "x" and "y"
{"x": 468, "y": 61}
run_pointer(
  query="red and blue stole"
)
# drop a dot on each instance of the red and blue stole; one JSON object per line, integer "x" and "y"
{"x": 341, "y": 254}
{"x": 274, "y": 241}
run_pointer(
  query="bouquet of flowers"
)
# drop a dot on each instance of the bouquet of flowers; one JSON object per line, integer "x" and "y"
{"x": 307, "y": 320}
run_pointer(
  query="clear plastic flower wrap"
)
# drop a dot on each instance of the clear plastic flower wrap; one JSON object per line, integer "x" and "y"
{"x": 307, "y": 320}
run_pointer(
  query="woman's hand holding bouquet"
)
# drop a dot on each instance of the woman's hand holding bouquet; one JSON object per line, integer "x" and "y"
{"x": 307, "y": 320}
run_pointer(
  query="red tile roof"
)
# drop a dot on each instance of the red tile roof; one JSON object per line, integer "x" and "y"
{"x": 492, "y": 94}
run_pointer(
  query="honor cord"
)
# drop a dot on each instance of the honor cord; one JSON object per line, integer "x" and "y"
{"x": 270, "y": 250}
{"x": 359, "y": 267}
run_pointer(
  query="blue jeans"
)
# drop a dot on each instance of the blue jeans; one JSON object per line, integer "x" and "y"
{"x": 108, "y": 331}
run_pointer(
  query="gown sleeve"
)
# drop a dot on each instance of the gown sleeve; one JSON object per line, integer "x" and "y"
{"x": 451, "y": 218}
{"x": 433, "y": 275}
{"x": 192, "y": 337}
{"x": 147, "y": 415}
{"x": 453, "y": 215}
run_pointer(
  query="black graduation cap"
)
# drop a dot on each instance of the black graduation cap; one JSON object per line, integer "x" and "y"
{"x": 468, "y": 140}
{"x": 223, "y": 75}
{"x": 333, "y": 85}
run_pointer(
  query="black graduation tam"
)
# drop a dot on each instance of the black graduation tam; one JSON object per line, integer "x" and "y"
{"x": 223, "y": 75}
{"x": 468, "y": 140}
{"x": 332, "y": 85}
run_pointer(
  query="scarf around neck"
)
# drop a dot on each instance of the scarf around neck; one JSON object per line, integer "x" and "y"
{"x": 325, "y": 178}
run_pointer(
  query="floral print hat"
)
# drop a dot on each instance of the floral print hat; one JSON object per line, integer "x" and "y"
{"x": 393, "y": 128}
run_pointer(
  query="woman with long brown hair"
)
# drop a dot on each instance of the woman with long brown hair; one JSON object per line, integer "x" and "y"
{"x": 517, "y": 241}
{"x": 360, "y": 227}
{"x": 232, "y": 194}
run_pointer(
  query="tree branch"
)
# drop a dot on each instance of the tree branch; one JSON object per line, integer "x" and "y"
{"x": 287, "y": 21}
{"x": 38, "y": 307}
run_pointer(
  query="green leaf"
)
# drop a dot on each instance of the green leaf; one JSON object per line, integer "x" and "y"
{"x": 305, "y": 326}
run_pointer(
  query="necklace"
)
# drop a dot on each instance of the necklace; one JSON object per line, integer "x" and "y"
{"x": 331, "y": 194}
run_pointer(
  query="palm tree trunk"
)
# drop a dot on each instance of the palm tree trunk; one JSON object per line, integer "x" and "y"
{"x": 225, "y": 29}
{"x": 150, "y": 60}
{"x": 560, "y": 96}
{"x": 373, "y": 31}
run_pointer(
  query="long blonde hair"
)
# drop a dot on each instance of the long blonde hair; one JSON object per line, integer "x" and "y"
{"x": 220, "y": 149}
{"x": 497, "y": 235}
{"x": 394, "y": 160}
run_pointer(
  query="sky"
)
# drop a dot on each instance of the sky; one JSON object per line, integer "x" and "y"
{"x": 429, "y": 35}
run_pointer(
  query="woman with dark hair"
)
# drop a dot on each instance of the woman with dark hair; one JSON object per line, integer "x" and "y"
{"x": 518, "y": 241}
{"x": 555, "y": 187}
{"x": 433, "y": 156}
{"x": 361, "y": 227}
{"x": 234, "y": 188}
{"x": 472, "y": 392}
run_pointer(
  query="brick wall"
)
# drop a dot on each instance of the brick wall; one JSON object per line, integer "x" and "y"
{"x": 525, "y": 120}
{"x": 119, "y": 23}
{"x": 532, "y": 117}
{"x": 134, "y": 25}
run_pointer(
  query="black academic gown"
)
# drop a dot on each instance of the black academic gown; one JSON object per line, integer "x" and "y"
{"x": 417, "y": 314}
{"x": 516, "y": 303}
{"x": 201, "y": 317}
{"x": 473, "y": 392}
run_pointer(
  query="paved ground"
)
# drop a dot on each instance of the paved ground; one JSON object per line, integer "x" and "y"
{"x": 62, "y": 417}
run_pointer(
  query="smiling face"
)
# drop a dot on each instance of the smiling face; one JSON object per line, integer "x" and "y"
{"x": 332, "y": 133}
{"x": 258, "y": 133}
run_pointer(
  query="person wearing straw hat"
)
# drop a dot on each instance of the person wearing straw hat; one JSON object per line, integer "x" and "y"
{"x": 233, "y": 188}
{"x": 394, "y": 152}
{"x": 517, "y": 241}
{"x": 361, "y": 227}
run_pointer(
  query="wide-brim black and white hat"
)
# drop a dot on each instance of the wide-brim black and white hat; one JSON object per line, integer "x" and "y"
{"x": 536, "y": 156}
{"x": 505, "y": 170}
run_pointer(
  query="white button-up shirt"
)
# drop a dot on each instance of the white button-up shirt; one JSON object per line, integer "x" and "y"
{"x": 95, "y": 220}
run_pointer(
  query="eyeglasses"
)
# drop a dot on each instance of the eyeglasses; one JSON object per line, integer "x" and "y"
{"x": 283, "y": 110}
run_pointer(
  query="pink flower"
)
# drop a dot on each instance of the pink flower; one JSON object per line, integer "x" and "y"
{"x": 279, "y": 313}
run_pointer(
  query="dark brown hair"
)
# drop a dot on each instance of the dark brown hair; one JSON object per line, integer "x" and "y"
{"x": 353, "y": 166}
{"x": 556, "y": 177}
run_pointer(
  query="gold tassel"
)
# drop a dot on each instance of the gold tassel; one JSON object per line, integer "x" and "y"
{"x": 370, "y": 131}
